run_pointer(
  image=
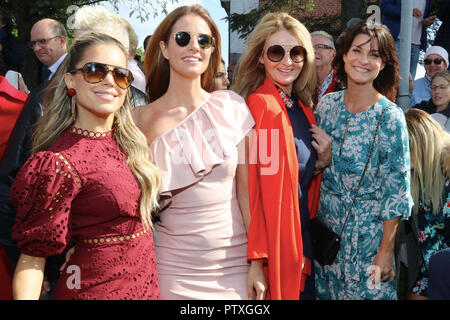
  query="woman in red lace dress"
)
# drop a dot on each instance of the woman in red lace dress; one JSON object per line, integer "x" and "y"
{"x": 89, "y": 182}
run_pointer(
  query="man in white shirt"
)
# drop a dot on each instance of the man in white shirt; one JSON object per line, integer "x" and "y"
{"x": 48, "y": 39}
{"x": 418, "y": 22}
{"x": 324, "y": 51}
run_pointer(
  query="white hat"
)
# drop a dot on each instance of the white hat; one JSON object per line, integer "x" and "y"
{"x": 439, "y": 51}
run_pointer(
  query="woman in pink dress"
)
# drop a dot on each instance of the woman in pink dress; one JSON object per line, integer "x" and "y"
{"x": 195, "y": 138}
{"x": 88, "y": 182}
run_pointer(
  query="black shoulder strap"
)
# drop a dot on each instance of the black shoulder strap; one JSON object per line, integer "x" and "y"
{"x": 364, "y": 171}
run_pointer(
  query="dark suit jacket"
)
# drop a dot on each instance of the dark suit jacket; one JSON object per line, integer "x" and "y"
{"x": 443, "y": 35}
{"x": 12, "y": 52}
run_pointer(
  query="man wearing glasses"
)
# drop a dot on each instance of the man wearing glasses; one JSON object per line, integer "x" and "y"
{"x": 436, "y": 59}
{"x": 324, "y": 52}
{"x": 48, "y": 39}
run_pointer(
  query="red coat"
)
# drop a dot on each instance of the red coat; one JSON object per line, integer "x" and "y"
{"x": 275, "y": 231}
{"x": 11, "y": 105}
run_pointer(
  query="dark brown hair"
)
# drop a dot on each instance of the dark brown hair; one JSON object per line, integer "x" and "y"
{"x": 388, "y": 78}
{"x": 157, "y": 68}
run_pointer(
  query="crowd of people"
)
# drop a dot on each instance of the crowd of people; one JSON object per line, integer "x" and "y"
{"x": 170, "y": 180}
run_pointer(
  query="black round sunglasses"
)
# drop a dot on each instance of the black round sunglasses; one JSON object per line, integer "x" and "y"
{"x": 205, "y": 41}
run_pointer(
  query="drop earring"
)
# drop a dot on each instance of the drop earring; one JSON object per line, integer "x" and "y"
{"x": 71, "y": 94}
{"x": 74, "y": 109}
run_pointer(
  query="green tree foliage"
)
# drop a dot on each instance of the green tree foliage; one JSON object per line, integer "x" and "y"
{"x": 328, "y": 23}
{"x": 141, "y": 54}
{"x": 144, "y": 9}
{"x": 27, "y": 12}
{"x": 244, "y": 23}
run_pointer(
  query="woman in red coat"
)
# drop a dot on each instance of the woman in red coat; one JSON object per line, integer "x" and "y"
{"x": 277, "y": 76}
{"x": 11, "y": 105}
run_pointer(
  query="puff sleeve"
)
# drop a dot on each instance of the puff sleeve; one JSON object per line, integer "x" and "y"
{"x": 42, "y": 194}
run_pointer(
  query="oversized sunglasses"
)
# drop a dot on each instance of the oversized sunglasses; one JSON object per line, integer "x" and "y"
{"x": 205, "y": 41}
{"x": 276, "y": 53}
{"x": 95, "y": 72}
{"x": 436, "y": 61}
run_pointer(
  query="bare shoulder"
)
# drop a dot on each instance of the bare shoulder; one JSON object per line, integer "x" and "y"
{"x": 146, "y": 117}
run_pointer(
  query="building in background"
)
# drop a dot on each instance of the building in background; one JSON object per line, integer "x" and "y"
{"x": 322, "y": 8}
{"x": 237, "y": 45}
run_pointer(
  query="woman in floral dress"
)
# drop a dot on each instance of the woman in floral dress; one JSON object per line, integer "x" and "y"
{"x": 429, "y": 225}
{"x": 363, "y": 269}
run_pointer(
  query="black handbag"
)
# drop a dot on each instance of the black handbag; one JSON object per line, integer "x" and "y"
{"x": 325, "y": 242}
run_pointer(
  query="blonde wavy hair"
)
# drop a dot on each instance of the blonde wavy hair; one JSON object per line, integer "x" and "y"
{"x": 250, "y": 73}
{"x": 100, "y": 20}
{"x": 57, "y": 118}
{"x": 427, "y": 140}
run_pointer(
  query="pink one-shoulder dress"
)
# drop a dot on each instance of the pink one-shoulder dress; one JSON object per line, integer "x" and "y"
{"x": 200, "y": 240}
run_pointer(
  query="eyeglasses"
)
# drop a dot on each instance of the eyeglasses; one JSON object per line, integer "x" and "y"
{"x": 322, "y": 47}
{"x": 442, "y": 87}
{"x": 95, "y": 72}
{"x": 436, "y": 61}
{"x": 205, "y": 41}
{"x": 41, "y": 42}
{"x": 276, "y": 53}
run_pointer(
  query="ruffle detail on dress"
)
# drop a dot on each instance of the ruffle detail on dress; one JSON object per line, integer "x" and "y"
{"x": 189, "y": 151}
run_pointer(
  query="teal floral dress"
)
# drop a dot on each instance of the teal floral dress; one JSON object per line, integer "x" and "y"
{"x": 434, "y": 235}
{"x": 384, "y": 193}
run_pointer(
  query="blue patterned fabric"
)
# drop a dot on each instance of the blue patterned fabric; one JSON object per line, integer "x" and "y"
{"x": 433, "y": 237}
{"x": 384, "y": 193}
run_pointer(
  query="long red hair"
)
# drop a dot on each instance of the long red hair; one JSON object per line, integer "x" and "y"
{"x": 157, "y": 68}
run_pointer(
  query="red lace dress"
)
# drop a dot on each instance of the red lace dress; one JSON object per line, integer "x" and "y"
{"x": 82, "y": 190}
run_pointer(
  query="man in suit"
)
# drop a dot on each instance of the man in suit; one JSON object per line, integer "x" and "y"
{"x": 48, "y": 39}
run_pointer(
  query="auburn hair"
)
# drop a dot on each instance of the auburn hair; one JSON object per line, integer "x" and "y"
{"x": 157, "y": 68}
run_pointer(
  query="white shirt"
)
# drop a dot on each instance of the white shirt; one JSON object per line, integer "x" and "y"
{"x": 416, "y": 24}
{"x": 56, "y": 65}
{"x": 416, "y": 27}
